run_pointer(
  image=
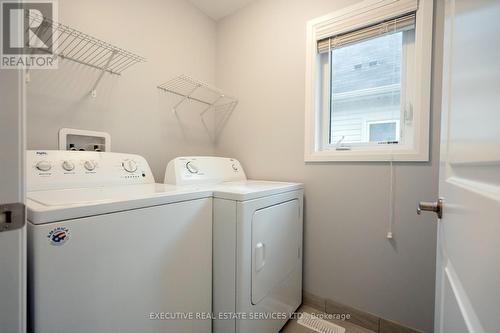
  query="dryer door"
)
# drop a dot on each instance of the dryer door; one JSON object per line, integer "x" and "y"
{"x": 275, "y": 246}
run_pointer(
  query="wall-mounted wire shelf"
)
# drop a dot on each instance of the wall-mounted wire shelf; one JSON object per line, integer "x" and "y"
{"x": 71, "y": 44}
{"x": 192, "y": 90}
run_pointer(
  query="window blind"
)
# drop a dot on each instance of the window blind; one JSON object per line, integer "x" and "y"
{"x": 406, "y": 22}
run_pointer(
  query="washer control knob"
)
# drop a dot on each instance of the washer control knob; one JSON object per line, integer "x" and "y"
{"x": 235, "y": 167}
{"x": 68, "y": 165}
{"x": 43, "y": 166}
{"x": 129, "y": 166}
{"x": 89, "y": 165}
{"x": 191, "y": 167}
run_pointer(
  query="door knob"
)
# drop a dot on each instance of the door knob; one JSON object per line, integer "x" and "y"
{"x": 436, "y": 207}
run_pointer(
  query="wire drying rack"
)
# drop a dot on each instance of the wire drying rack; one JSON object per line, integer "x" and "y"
{"x": 71, "y": 44}
{"x": 214, "y": 99}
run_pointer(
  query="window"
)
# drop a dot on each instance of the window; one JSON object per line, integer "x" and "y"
{"x": 365, "y": 92}
{"x": 368, "y": 90}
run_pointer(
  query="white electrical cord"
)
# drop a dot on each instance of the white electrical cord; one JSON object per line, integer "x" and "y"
{"x": 391, "y": 167}
{"x": 391, "y": 200}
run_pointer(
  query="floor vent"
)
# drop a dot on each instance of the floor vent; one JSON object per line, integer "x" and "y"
{"x": 319, "y": 325}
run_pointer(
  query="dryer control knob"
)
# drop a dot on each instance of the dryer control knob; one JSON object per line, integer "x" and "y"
{"x": 43, "y": 166}
{"x": 68, "y": 165}
{"x": 89, "y": 165}
{"x": 191, "y": 167}
{"x": 129, "y": 166}
{"x": 235, "y": 168}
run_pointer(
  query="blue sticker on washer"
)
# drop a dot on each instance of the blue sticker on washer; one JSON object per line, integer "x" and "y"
{"x": 58, "y": 236}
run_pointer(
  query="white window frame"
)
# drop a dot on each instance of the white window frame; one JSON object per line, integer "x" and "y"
{"x": 354, "y": 17}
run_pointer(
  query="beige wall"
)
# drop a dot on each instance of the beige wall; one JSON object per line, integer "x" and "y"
{"x": 261, "y": 59}
{"x": 175, "y": 37}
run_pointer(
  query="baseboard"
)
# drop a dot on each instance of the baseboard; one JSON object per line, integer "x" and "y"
{"x": 356, "y": 316}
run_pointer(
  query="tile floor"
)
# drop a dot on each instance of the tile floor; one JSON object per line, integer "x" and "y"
{"x": 293, "y": 327}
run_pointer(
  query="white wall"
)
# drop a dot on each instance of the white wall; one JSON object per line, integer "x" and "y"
{"x": 261, "y": 59}
{"x": 174, "y": 36}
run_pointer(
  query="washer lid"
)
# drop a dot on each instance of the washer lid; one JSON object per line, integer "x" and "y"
{"x": 252, "y": 189}
{"x": 57, "y": 205}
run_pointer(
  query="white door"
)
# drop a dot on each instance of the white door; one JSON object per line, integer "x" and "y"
{"x": 12, "y": 224}
{"x": 468, "y": 262}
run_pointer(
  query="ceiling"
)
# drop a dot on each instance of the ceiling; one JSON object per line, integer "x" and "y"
{"x": 218, "y": 9}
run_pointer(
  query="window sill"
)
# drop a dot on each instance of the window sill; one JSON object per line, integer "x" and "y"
{"x": 368, "y": 155}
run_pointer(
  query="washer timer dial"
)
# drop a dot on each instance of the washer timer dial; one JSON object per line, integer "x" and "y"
{"x": 129, "y": 166}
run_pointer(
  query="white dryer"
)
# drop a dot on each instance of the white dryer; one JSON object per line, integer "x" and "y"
{"x": 111, "y": 251}
{"x": 257, "y": 243}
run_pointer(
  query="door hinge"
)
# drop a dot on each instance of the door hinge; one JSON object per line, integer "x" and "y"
{"x": 12, "y": 216}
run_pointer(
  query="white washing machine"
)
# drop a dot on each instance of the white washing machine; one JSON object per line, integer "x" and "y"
{"x": 257, "y": 243}
{"x": 111, "y": 251}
